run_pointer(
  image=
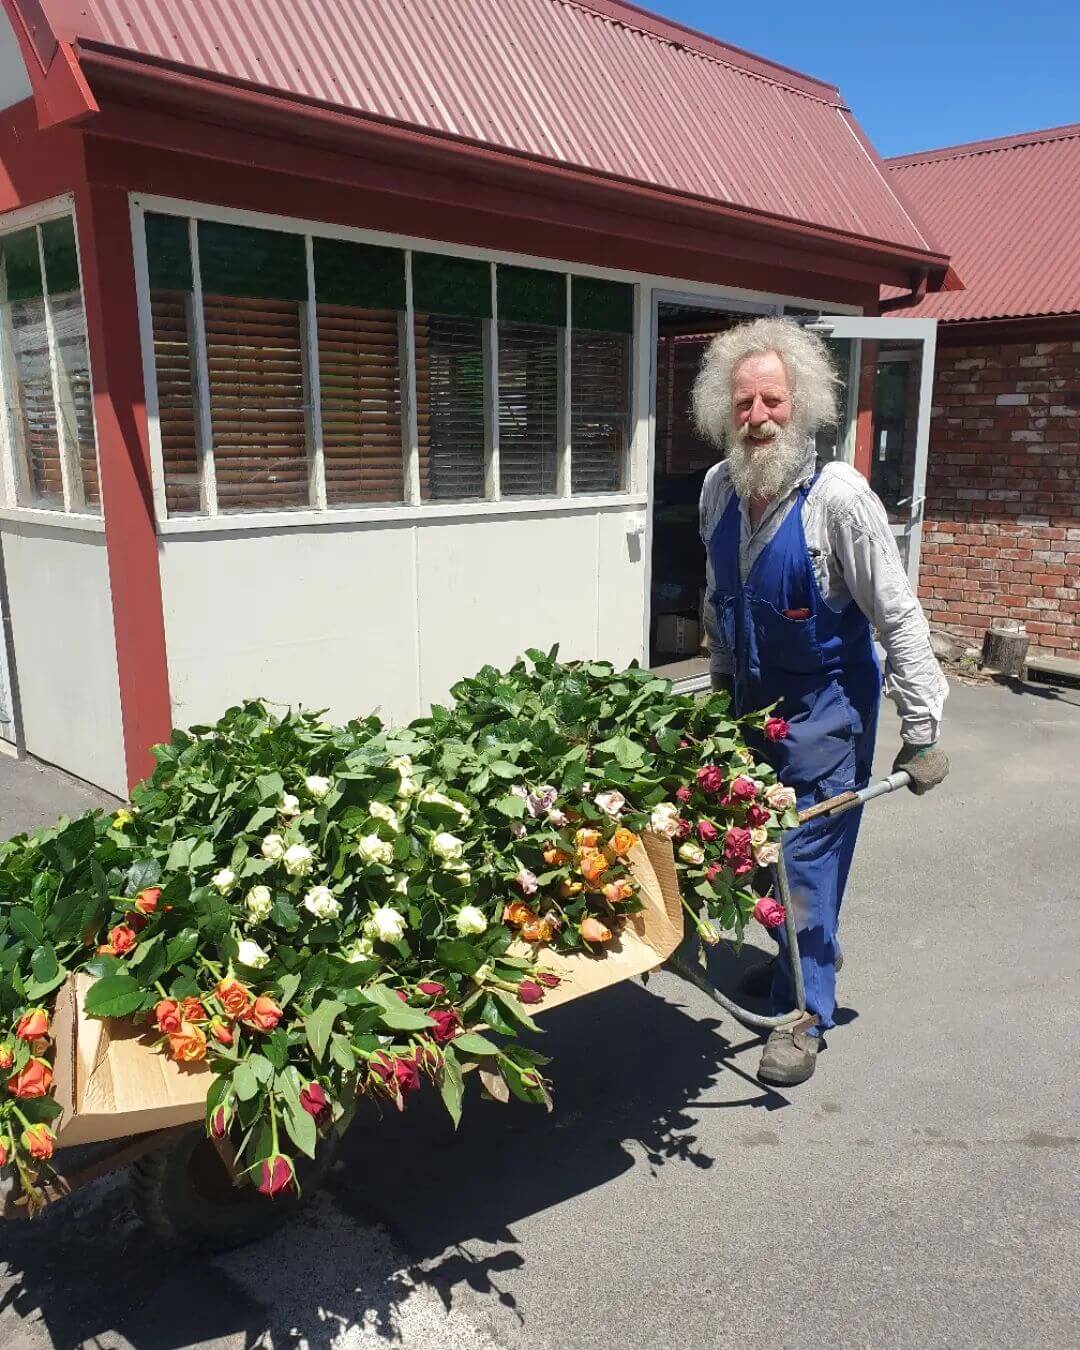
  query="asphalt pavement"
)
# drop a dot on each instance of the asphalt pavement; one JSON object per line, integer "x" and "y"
{"x": 920, "y": 1191}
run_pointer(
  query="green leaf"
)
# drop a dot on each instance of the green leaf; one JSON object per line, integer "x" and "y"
{"x": 319, "y": 1023}
{"x": 300, "y": 1127}
{"x": 25, "y": 923}
{"x": 44, "y": 963}
{"x": 141, "y": 874}
{"x": 452, "y": 1087}
{"x": 276, "y": 1048}
{"x": 181, "y": 947}
{"x": 492, "y": 1014}
{"x": 114, "y": 996}
{"x": 287, "y": 987}
{"x": 180, "y": 855}
{"x": 261, "y": 1068}
{"x": 511, "y": 806}
{"x": 514, "y": 1008}
{"x": 285, "y": 915}
{"x": 270, "y": 786}
{"x": 245, "y": 1084}
{"x": 502, "y": 768}
{"x": 395, "y": 1014}
{"x": 202, "y": 855}
{"x": 341, "y": 1052}
{"x": 262, "y": 817}
{"x": 471, "y": 1043}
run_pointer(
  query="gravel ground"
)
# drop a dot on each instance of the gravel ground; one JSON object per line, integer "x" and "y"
{"x": 920, "y": 1191}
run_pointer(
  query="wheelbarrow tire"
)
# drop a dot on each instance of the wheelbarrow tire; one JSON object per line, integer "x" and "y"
{"x": 185, "y": 1195}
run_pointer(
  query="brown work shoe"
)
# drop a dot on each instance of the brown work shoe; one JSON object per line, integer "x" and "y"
{"x": 790, "y": 1054}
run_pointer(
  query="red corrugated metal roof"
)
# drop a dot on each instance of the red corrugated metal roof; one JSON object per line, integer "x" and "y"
{"x": 1008, "y": 211}
{"x": 600, "y": 86}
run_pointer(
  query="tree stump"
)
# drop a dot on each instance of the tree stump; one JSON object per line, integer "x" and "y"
{"x": 1005, "y": 647}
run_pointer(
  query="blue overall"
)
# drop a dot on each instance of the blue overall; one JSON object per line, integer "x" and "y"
{"x": 823, "y": 673}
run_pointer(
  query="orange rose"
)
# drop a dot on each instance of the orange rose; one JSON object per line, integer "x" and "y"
{"x": 568, "y": 889}
{"x": 188, "y": 1044}
{"x": 38, "y": 1141}
{"x": 587, "y": 839}
{"x": 615, "y": 892}
{"x": 33, "y": 1080}
{"x": 33, "y": 1025}
{"x": 555, "y": 857}
{"x": 122, "y": 939}
{"x": 234, "y": 997}
{"x": 592, "y": 930}
{"x": 518, "y": 913}
{"x": 221, "y": 1031}
{"x": 537, "y": 930}
{"x": 146, "y": 902}
{"x": 622, "y": 841}
{"x": 264, "y": 1014}
{"x": 593, "y": 865}
{"x": 192, "y": 1010}
{"x": 167, "y": 1016}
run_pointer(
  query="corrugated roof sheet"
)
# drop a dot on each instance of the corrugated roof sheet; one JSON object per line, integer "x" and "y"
{"x": 600, "y": 86}
{"x": 1008, "y": 212}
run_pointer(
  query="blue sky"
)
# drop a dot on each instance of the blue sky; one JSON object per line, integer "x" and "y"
{"x": 917, "y": 74}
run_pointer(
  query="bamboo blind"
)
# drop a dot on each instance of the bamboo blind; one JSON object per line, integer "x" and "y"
{"x": 599, "y": 410}
{"x": 528, "y": 410}
{"x": 450, "y": 406}
{"x": 171, "y": 329}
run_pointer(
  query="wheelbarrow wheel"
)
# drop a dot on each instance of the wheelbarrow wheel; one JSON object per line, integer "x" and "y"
{"x": 185, "y": 1194}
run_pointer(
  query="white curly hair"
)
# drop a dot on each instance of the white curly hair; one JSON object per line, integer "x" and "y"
{"x": 811, "y": 375}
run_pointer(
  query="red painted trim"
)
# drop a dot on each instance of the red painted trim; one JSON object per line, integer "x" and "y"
{"x": 864, "y": 417}
{"x": 61, "y": 93}
{"x": 36, "y": 165}
{"x": 124, "y": 454}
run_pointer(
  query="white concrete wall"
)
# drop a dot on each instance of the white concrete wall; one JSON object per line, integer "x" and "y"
{"x": 65, "y": 652}
{"x": 354, "y": 617}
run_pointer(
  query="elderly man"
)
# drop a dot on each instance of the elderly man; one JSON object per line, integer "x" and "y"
{"x": 802, "y": 567}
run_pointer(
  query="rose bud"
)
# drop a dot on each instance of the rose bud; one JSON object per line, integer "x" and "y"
{"x": 219, "y": 1123}
{"x": 707, "y": 933}
{"x": 146, "y": 902}
{"x": 33, "y": 1080}
{"x": 135, "y": 922}
{"x": 554, "y": 857}
{"x": 221, "y": 1031}
{"x": 33, "y": 1025}
{"x": 431, "y": 988}
{"x": 683, "y": 794}
{"x": 517, "y": 912}
{"x": 743, "y": 790}
{"x": 707, "y": 831}
{"x": 276, "y": 1175}
{"x": 757, "y": 815}
{"x": 568, "y": 889}
{"x": 407, "y": 1073}
{"x": 167, "y": 1016}
{"x": 622, "y": 841}
{"x": 447, "y": 1024}
{"x": 548, "y": 979}
{"x": 776, "y": 728}
{"x": 683, "y": 828}
{"x": 264, "y": 1014}
{"x": 592, "y": 930}
{"x": 122, "y": 939}
{"x": 710, "y": 778}
{"x": 713, "y": 871}
{"x": 769, "y": 912}
{"x": 234, "y": 997}
{"x": 3, "y": 1154}
{"x": 188, "y": 1045}
{"x": 7, "y": 1057}
{"x": 401, "y": 993}
{"x": 192, "y": 1010}
{"x": 528, "y": 991}
{"x": 615, "y": 892}
{"x": 313, "y": 1100}
{"x": 38, "y": 1141}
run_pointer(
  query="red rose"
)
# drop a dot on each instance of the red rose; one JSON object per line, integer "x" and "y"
{"x": 683, "y": 828}
{"x": 277, "y": 1175}
{"x": 3, "y": 1154}
{"x": 528, "y": 991}
{"x": 404, "y": 1072}
{"x": 33, "y": 1080}
{"x": 313, "y": 1100}
{"x": 756, "y": 814}
{"x": 219, "y": 1123}
{"x": 33, "y": 1025}
{"x": 122, "y": 939}
{"x": 446, "y": 1024}
{"x": 221, "y": 1031}
{"x": 769, "y": 912}
{"x": 38, "y": 1141}
{"x": 776, "y": 728}
{"x": 431, "y": 988}
{"x": 743, "y": 866}
{"x": 707, "y": 831}
{"x": 683, "y": 794}
{"x": 263, "y": 1015}
{"x": 743, "y": 790}
{"x": 713, "y": 871}
{"x": 147, "y": 901}
{"x": 736, "y": 843}
{"x": 167, "y": 1016}
{"x": 710, "y": 778}
{"x": 136, "y": 922}
{"x": 546, "y": 978}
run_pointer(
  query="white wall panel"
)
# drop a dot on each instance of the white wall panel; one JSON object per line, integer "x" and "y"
{"x": 65, "y": 651}
{"x": 620, "y": 587}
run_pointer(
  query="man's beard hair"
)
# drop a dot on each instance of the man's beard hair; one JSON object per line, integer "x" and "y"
{"x": 765, "y": 471}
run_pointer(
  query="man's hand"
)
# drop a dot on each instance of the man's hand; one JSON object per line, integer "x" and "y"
{"x": 927, "y": 766}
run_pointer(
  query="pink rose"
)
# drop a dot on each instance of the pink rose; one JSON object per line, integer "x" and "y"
{"x": 710, "y": 778}
{"x": 743, "y": 866}
{"x": 736, "y": 843}
{"x": 743, "y": 790}
{"x": 683, "y": 794}
{"x": 713, "y": 871}
{"x": 683, "y": 829}
{"x": 707, "y": 831}
{"x": 769, "y": 912}
{"x": 526, "y": 882}
{"x": 776, "y": 728}
{"x": 756, "y": 815}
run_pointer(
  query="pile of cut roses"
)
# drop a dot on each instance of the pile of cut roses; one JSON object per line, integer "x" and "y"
{"x": 332, "y": 913}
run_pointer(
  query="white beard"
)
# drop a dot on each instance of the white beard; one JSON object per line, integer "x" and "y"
{"x": 764, "y": 471}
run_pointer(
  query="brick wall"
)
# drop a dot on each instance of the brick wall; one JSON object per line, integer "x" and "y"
{"x": 1001, "y": 535}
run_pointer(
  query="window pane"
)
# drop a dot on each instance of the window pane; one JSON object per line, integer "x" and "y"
{"x": 450, "y": 406}
{"x": 360, "y": 390}
{"x": 32, "y": 412}
{"x": 76, "y": 396}
{"x": 528, "y": 410}
{"x": 170, "y": 317}
{"x": 599, "y": 410}
{"x": 255, "y": 360}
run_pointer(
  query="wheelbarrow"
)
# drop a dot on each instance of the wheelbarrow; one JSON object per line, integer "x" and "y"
{"x": 693, "y": 974}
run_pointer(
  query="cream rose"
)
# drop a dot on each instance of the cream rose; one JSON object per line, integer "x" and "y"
{"x": 767, "y": 855}
{"x": 318, "y": 786}
{"x": 470, "y": 921}
{"x": 321, "y": 902}
{"x": 372, "y": 849}
{"x": 448, "y": 847}
{"x": 273, "y": 847}
{"x": 692, "y": 853}
{"x": 664, "y": 820}
{"x": 251, "y": 954}
{"x": 258, "y": 904}
{"x": 381, "y": 811}
{"x": 780, "y": 797}
{"x": 224, "y": 880}
{"x": 298, "y": 860}
{"x": 386, "y": 924}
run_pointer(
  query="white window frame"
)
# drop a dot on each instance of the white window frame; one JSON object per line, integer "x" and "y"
{"x": 74, "y": 514}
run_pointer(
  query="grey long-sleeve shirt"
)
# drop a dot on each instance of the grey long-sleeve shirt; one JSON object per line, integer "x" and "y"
{"x": 855, "y": 558}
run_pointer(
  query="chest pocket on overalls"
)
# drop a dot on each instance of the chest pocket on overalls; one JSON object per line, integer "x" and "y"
{"x": 724, "y": 607}
{"x": 785, "y": 644}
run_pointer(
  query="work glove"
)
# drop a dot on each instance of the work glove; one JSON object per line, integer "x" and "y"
{"x": 927, "y": 766}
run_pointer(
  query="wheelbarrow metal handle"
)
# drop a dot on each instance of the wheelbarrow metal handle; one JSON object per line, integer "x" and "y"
{"x": 848, "y": 801}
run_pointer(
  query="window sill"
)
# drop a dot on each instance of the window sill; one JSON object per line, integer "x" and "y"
{"x": 59, "y": 520}
{"x": 259, "y": 521}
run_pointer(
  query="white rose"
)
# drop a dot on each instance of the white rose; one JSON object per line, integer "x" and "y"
{"x": 611, "y": 803}
{"x": 780, "y": 798}
{"x": 470, "y": 920}
{"x": 407, "y": 787}
{"x": 692, "y": 853}
{"x": 386, "y": 924}
{"x": 251, "y": 954}
{"x": 318, "y": 786}
{"x": 402, "y": 763}
{"x": 381, "y": 811}
{"x": 289, "y": 805}
{"x": 767, "y": 855}
{"x": 558, "y": 818}
{"x": 322, "y": 903}
{"x": 372, "y": 849}
{"x": 360, "y": 950}
{"x": 664, "y": 820}
{"x": 298, "y": 860}
{"x": 401, "y": 885}
{"x": 258, "y": 903}
{"x": 224, "y": 880}
{"x": 759, "y": 836}
{"x": 447, "y": 846}
{"x": 273, "y": 847}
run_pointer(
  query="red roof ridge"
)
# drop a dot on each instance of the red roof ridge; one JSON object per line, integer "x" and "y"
{"x": 637, "y": 19}
{"x": 1019, "y": 141}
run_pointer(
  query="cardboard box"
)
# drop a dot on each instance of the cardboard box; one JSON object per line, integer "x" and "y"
{"x": 678, "y": 635}
{"x": 111, "y": 1082}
